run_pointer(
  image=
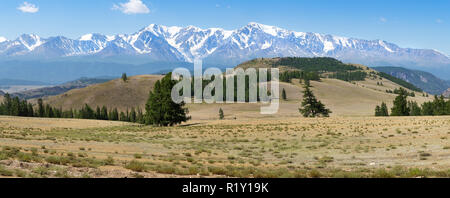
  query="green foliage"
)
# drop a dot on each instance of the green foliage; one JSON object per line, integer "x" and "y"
{"x": 319, "y": 64}
{"x": 283, "y": 94}
{"x": 16, "y": 107}
{"x": 311, "y": 107}
{"x": 382, "y": 110}
{"x": 160, "y": 109}
{"x": 414, "y": 109}
{"x": 438, "y": 107}
{"x": 124, "y": 77}
{"x": 221, "y": 115}
{"x": 302, "y": 75}
{"x": 349, "y": 76}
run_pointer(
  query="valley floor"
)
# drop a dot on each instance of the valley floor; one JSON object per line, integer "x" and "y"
{"x": 247, "y": 147}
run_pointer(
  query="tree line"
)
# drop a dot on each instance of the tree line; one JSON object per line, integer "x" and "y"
{"x": 398, "y": 91}
{"x": 402, "y": 107}
{"x": 302, "y": 75}
{"x": 317, "y": 64}
{"x": 349, "y": 76}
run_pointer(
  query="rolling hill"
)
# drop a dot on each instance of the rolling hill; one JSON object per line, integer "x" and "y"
{"x": 357, "y": 98}
{"x": 59, "y": 89}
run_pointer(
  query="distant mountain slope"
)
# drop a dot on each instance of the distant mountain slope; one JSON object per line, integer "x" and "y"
{"x": 57, "y": 72}
{"x": 7, "y": 82}
{"x": 59, "y": 89}
{"x": 424, "y": 80}
{"x": 158, "y": 43}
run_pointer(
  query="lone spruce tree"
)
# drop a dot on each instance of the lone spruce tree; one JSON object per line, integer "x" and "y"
{"x": 124, "y": 77}
{"x": 221, "y": 115}
{"x": 283, "y": 94}
{"x": 160, "y": 109}
{"x": 311, "y": 107}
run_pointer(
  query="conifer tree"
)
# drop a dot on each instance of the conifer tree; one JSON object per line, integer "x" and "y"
{"x": 377, "y": 111}
{"x": 41, "y": 110}
{"x": 30, "y": 110}
{"x": 283, "y": 94}
{"x": 311, "y": 107}
{"x": 160, "y": 109}
{"x": 221, "y": 115}
{"x": 414, "y": 109}
{"x": 400, "y": 104}
{"x": 104, "y": 113}
{"x": 384, "y": 110}
{"x": 98, "y": 113}
{"x": 132, "y": 116}
{"x": 140, "y": 116}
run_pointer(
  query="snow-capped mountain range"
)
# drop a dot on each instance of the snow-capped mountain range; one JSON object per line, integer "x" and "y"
{"x": 216, "y": 45}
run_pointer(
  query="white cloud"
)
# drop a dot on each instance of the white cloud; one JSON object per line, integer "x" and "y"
{"x": 132, "y": 7}
{"x": 439, "y": 21}
{"x": 383, "y": 20}
{"x": 28, "y": 8}
{"x": 2, "y": 39}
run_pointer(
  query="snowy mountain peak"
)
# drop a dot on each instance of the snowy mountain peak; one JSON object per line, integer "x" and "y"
{"x": 272, "y": 30}
{"x": 3, "y": 39}
{"x": 86, "y": 37}
{"x": 172, "y": 43}
{"x": 31, "y": 41}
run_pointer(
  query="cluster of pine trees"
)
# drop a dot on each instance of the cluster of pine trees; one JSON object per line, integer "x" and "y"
{"x": 402, "y": 107}
{"x": 349, "y": 76}
{"x": 398, "y": 91}
{"x": 160, "y": 109}
{"x": 302, "y": 75}
{"x": 317, "y": 64}
{"x": 16, "y": 107}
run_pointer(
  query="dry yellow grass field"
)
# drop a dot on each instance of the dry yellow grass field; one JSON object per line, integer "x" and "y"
{"x": 248, "y": 147}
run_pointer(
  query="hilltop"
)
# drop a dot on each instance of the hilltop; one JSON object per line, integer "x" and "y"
{"x": 113, "y": 94}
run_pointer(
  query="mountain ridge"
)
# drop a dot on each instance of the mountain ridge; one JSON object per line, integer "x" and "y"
{"x": 227, "y": 47}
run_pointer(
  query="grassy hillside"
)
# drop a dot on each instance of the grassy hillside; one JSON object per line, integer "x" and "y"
{"x": 115, "y": 93}
{"x": 59, "y": 89}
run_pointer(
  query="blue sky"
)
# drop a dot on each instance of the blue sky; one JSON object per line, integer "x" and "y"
{"x": 411, "y": 23}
